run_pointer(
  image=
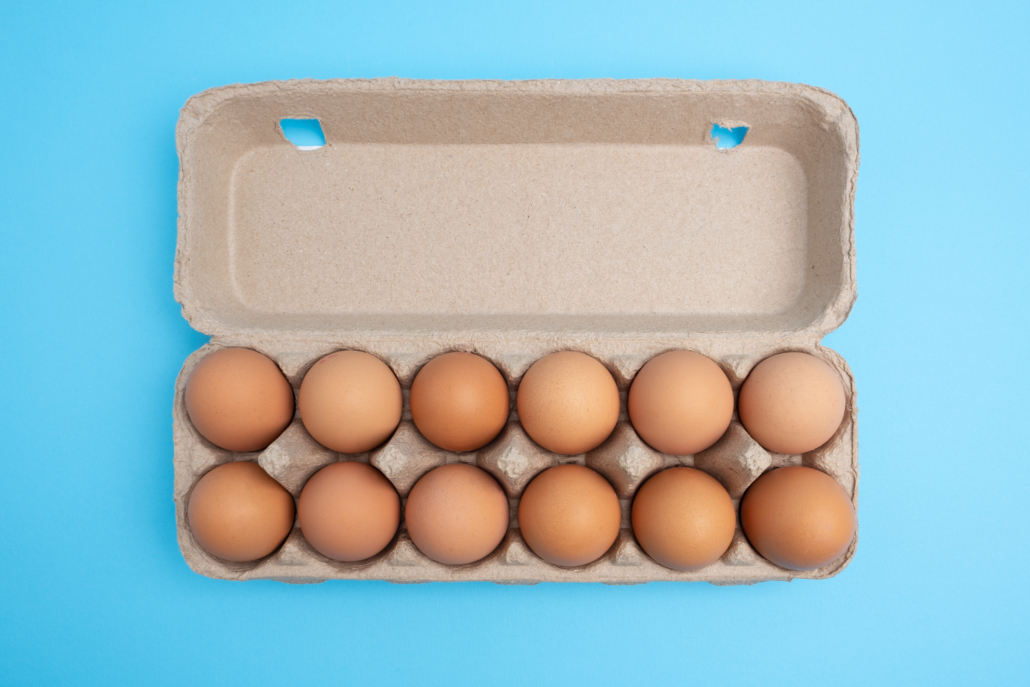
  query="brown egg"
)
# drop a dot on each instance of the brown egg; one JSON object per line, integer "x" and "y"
{"x": 798, "y": 517}
{"x": 459, "y": 401}
{"x": 349, "y": 511}
{"x": 239, "y": 399}
{"x": 683, "y": 518}
{"x": 568, "y": 402}
{"x": 350, "y": 401}
{"x": 238, "y": 513}
{"x": 792, "y": 403}
{"x": 456, "y": 514}
{"x": 569, "y": 515}
{"x": 680, "y": 402}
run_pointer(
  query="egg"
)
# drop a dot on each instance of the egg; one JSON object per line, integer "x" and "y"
{"x": 348, "y": 511}
{"x": 238, "y": 399}
{"x": 456, "y": 514}
{"x": 350, "y": 401}
{"x": 569, "y": 515}
{"x": 792, "y": 403}
{"x": 459, "y": 401}
{"x": 238, "y": 513}
{"x": 680, "y": 402}
{"x": 568, "y": 402}
{"x": 798, "y": 517}
{"x": 683, "y": 518}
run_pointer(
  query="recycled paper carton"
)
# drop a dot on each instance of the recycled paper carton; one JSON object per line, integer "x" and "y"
{"x": 515, "y": 219}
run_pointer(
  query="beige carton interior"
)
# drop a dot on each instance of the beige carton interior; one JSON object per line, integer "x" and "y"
{"x": 514, "y": 219}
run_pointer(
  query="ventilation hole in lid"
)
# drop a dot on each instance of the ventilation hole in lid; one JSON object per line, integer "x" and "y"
{"x": 306, "y": 134}
{"x": 728, "y": 138}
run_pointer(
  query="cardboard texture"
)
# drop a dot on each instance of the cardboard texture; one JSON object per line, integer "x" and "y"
{"x": 515, "y": 219}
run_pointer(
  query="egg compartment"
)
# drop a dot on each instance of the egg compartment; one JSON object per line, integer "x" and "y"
{"x": 513, "y": 459}
{"x": 513, "y": 220}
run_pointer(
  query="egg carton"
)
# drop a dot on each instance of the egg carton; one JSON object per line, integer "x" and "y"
{"x": 513, "y": 220}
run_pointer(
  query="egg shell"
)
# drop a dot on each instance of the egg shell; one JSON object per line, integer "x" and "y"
{"x": 680, "y": 402}
{"x": 459, "y": 401}
{"x": 238, "y": 513}
{"x": 349, "y": 511}
{"x": 350, "y": 401}
{"x": 798, "y": 517}
{"x": 239, "y": 399}
{"x": 456, "y": 514}
{"x": 568, "y": 402}
{"x": 792, "y": 403}
{"x": 569, "y": 515}
{"x": 683, "y": 518}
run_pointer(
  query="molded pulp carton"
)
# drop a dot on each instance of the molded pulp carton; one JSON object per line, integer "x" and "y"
{"x": 514, "y": 219}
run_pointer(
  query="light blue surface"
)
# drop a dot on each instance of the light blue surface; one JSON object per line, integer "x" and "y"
{"x": 93, "y": 589}
{"x": 728, "y": 138}
{"x": 303, "y": 133}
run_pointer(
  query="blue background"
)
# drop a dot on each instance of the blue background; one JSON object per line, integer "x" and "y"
{"x": 94, "y": 589}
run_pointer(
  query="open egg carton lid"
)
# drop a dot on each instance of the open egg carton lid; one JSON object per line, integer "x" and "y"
{"x": 514, "y": 219}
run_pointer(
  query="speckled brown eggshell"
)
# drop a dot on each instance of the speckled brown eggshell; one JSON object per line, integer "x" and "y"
{"x": 349, "y": 511}
{"x": 792, "y": 403}
{"x": 798, "y": 517}
{"x": 568, "y": 402}
{"x": 459, "y": 401}
{"x": 569, "y": 515}
{"x": 680, "y": 402}
{"x": 350, "y": 401}
{"x": 238, "y": 513}
{"x": 238, "y": 399}
{"x": 683, "y": 518}
{"x": 456, "y": 514}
